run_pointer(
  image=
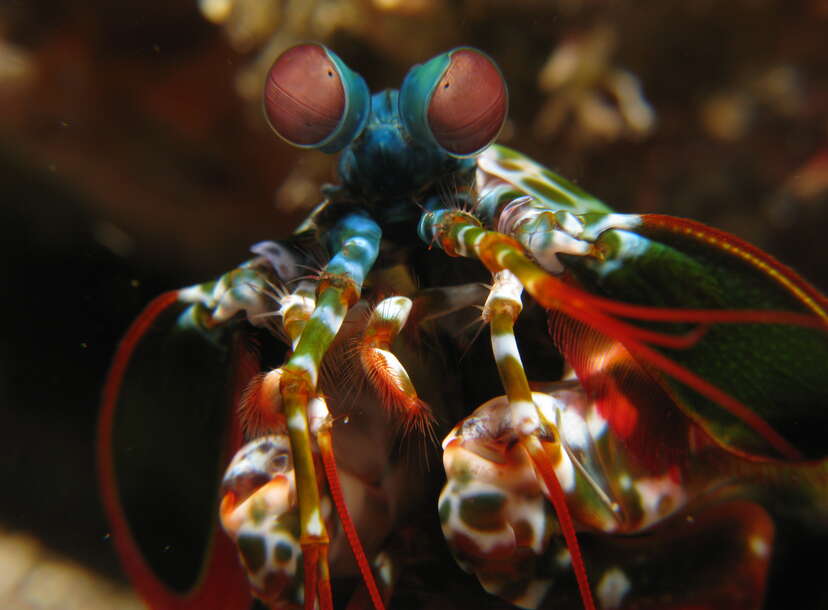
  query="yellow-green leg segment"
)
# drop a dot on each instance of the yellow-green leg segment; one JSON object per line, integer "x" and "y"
{"x": 355, "y": 241}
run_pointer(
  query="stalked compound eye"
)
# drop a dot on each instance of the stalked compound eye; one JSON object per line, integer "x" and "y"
{"x": 457, "y": 100}
{"x": 313, "y": 100}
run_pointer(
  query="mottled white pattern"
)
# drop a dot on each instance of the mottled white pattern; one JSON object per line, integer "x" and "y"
{"x": 486, "y": 541}
{"x": 531, "y": 510}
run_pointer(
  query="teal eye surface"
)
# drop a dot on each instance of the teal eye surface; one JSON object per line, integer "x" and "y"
{"x": 457, "y": 100}
{"x": 313, "y": 100}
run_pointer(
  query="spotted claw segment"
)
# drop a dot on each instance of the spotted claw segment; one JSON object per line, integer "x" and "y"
{"x": 288, "y": 500}
{"x": 525, "y": 434}
{"x": 498, "y": 521}
{"x": 259, "y": 512}
{"x": 492, "y": 509}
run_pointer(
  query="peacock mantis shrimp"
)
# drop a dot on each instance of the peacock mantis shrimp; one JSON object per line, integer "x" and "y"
{"x": 691, "y": 402}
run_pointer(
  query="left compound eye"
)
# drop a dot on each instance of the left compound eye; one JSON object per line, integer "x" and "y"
{"x": 458, "y": 100}
{"x": 313, "y": 100}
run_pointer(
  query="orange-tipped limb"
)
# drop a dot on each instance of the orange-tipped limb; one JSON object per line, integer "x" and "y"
{"x": 385, "y": 372}
{"x": 260, "y": 409}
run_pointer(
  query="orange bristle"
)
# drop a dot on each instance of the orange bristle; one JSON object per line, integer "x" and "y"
{"x": 387, "y": 376}
{"x": 260, "y": 408}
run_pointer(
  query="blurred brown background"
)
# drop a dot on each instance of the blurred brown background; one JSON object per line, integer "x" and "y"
{"x": 134, "y": 158}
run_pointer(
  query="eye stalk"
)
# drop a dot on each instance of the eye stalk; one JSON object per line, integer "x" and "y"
{"x": 458, "y": 101}
{"x": 313, "y": 100}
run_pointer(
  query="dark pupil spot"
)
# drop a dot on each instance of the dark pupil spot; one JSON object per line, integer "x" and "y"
{"x": 330, "y": 74}
{"x": 446, "y": 85}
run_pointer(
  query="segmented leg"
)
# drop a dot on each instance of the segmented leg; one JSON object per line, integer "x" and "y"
{"x": 262, "y": 514}
{"x": 259, "y": 512}
{"x": 355, "y": 243}
{"x": 244, "y": 289}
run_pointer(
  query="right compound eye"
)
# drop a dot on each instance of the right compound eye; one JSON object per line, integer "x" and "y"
{"x": 313, "y": 100}
{"x": 457, "y": 100}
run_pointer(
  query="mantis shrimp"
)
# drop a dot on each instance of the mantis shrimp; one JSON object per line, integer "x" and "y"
{"x": 691, "y": 399}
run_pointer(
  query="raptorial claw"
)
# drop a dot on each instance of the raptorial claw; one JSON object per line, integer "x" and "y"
{"x": 260, "y": 513}
{"x": 494, "y": 509}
